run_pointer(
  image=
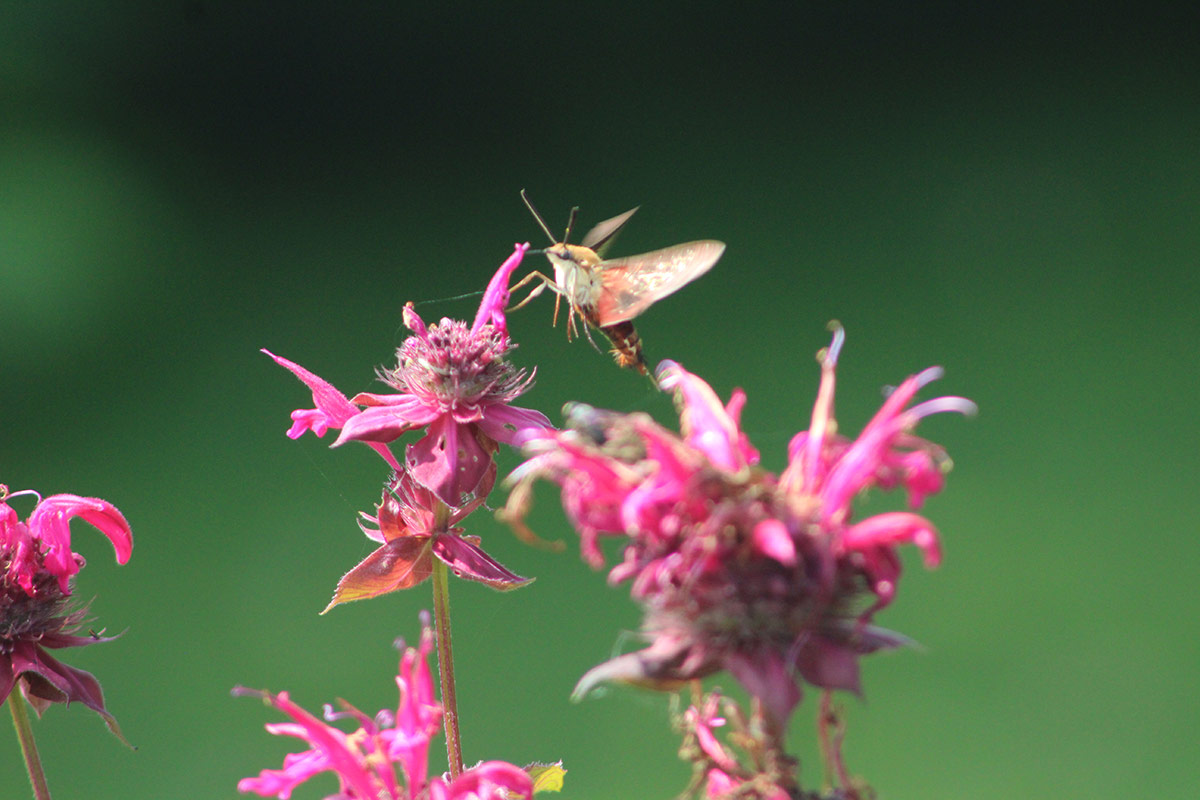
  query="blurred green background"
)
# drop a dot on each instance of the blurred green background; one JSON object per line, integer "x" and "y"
{"x": 1011, "y": 192}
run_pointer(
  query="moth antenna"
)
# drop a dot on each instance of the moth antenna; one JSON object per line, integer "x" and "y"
{"x": 570, "y": 224}
{"x": 538, "y": 217}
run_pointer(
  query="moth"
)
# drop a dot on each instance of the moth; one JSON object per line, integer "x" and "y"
{"x": 608, "y": 293}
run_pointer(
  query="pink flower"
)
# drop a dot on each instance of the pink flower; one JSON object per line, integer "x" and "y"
{"x": 36, "y": 570}
{"x": 365, "y": 760}
{"x": 761, "y": 773}
{"x": 737, "y": 568}
{"x": 453, "y": 380}
{"x": 412, "y": 532}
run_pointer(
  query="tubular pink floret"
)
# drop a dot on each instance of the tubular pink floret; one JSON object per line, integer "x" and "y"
{"x": 943, "y": 405}
{"x": 413, "y": 321}
{"x": 495, "y": 297}
{"x": 49, "y": 523}
{"x": 894, "y": 528}
{"x": 929, "y": 375}
{"x": 835, "y": 347}
{"x": 805, "y": 473}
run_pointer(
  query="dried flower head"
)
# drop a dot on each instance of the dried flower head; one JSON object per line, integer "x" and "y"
{"x": 37, "y": 568}
{"x": 769, "y": 577}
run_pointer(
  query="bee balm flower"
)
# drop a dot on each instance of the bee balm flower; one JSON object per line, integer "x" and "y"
{"x": 737, "y": 568}
{"x": 37, "y": 566}
{"x": 365, "y": 760}
{"x": 451, "y": 379}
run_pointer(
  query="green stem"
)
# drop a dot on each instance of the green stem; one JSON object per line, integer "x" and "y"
{"x": 33, "y": 762}
{"x": 441, "y": 622}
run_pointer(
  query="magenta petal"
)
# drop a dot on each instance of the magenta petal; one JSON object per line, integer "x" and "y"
{"x": 829, "y": 664}
{"x": 491, "y": 779}
{"x": 449, "y": 461}
{"x": 771, "y": 538}
{"x": 332, "y": 403}
{"x": 50, "y": 523}
{"x": 504, "y": 423}
{"x": 495, "y": 297}
{"x": 767, "y": 677}
{"x": 893, "y": 528}
{"x": 330, "y": 743}
{"x": 471, "y": 563}
{"x": 703, "y": 420}
{"x": 378, "y": 424}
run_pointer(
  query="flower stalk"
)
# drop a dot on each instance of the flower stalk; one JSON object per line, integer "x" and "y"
{"x": 445, "y": 655}
{"x": 29, "y": 751}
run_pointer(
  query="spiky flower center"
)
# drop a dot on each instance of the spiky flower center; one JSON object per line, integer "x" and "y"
{"x": 29, "y": 617}
{"x": 453, "y": 368}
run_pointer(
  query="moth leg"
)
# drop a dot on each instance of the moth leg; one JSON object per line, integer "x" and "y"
{"x": 587, "y": 331}
{"x": 535, "y": 275}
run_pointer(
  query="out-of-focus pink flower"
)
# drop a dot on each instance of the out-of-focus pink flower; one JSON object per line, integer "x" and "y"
{"x": 760, "y": 772}
{"x": 413, "y": 528}
{"x": 453, "y": 380}
{"x": 37, "y": 566}
{"x": 365, "y": 760}
{"x": 737, "y": 568}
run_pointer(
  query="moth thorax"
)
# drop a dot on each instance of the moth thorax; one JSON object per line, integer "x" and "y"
{"x": 575, "y": 272}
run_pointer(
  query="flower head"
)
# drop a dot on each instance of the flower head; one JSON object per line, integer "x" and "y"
{"x": 37, "y": 566}
{"x": 737, "y": 568}
{"x": 451, "y": 379}
{"x": 365, "y": 760}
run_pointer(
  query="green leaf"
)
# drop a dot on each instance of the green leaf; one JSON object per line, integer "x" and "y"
{"x": 546, "y": 777}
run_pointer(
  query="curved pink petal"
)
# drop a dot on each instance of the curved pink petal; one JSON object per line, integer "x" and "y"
{"x": 449, "y": 460}
{"x": 767, "y": 677}
{"x": 329, "y": 742}
{"x": 408, "y": 406}
{"x": 378, "y": 424}
{"x": 49, "y": 522}
{"x": 893, "y": 528}
{"x": 504, "y": 423}
{"x": 332, "y": 406}
{"x": 807, "y": 462}
{"x": 413, "y": 321}
{"x": 470, "y": 562}
{"x": 922, "y": 476}
{"x": 495, "y": 297}
{"x": 491, "y": 780}
{"x": 858, "y": 464}
{"x": 829, "y": 664}
{"x": 22, "y": 554}
{"x": 418, "y": 713}
{"x": 297, "y": 768}
{"x": 703, "y": 420}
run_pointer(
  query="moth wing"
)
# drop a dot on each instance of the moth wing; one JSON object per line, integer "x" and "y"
{"x": 634, "y": 283}
{"x": 600, "y": 237}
